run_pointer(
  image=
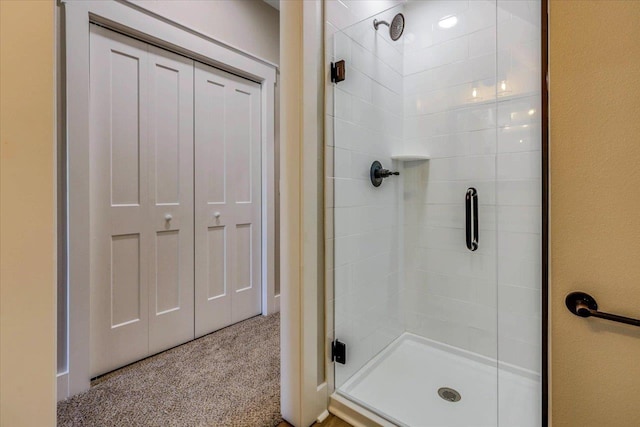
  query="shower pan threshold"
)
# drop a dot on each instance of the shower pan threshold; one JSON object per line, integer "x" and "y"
{"x": 401, "y": 385}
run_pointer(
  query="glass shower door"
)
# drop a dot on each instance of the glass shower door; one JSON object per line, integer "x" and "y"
{"x": 519, "y": 212}
{"x": 368, "y": 219}
{"x": 440, "y": 92}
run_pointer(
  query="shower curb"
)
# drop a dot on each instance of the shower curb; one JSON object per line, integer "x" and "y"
{"x": 355, "y": 414}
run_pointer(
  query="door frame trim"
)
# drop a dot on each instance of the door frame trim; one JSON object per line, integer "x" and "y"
{"x": 134, "y": 21}
{"x": 304, "y": 392}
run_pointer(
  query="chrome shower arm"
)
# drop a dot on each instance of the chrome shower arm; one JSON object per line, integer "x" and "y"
{"x": 376, "y": 23}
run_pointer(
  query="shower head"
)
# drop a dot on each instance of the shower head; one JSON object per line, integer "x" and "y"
{"x": 395, "y": 28}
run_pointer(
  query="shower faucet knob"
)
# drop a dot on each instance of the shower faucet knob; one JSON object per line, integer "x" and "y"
{"x": 385, "y": 173}
{"x": 378, "y": 173}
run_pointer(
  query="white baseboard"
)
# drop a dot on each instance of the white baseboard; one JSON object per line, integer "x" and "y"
{"x": 62, "y": 387}
{"x": 323, "y": 416}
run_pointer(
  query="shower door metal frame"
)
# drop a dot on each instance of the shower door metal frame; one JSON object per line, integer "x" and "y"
{"x": 544, "y": 85}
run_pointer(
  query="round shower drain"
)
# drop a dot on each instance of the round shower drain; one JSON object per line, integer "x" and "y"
{"x": 449, "y": 394}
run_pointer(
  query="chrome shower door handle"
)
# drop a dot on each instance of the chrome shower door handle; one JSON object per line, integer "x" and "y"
{"x": 471, "y": 218}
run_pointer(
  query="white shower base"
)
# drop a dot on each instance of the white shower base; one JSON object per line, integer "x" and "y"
{"x": 401, "y": 384}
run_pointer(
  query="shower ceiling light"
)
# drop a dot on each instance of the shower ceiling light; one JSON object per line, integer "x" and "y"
{"x": 448, "y": 21}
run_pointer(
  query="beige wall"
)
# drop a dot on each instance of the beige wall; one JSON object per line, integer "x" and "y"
{"x": 595, "y": 209}
{"x": 27, "y": 214}
{"x": 250, "y": 25}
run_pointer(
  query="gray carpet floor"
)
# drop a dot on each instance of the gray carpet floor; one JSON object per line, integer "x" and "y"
{"x": 228, "y": 378}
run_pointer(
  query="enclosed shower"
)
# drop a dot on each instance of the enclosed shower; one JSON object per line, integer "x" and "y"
{"x": 435, "y": 212}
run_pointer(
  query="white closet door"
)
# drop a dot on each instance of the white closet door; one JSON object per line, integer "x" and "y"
{"x": 119, "y": 200}
{"x": 171, "y": 200}
{"x": 141, "y": 178}
{"x": 227, "y": 199}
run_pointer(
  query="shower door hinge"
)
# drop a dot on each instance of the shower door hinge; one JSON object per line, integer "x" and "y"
{"x": 338, "y": 71}
{"x": 339, "y": 352}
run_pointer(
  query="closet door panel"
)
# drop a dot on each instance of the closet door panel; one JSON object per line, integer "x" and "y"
{"x": 227, "y": 192}
{"x": 213, "y": 213}
{"x": 119, "y": 200}
{"x": 175, "y": 200}
{"x": 171, "y": 279}
{"x": 244, "y": 136}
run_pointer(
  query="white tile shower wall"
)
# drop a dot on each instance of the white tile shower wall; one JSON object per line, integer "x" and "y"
{"x": 471, "y": 101}
{"x": 365, "y": 112}
{"x": 450, "y": 113}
